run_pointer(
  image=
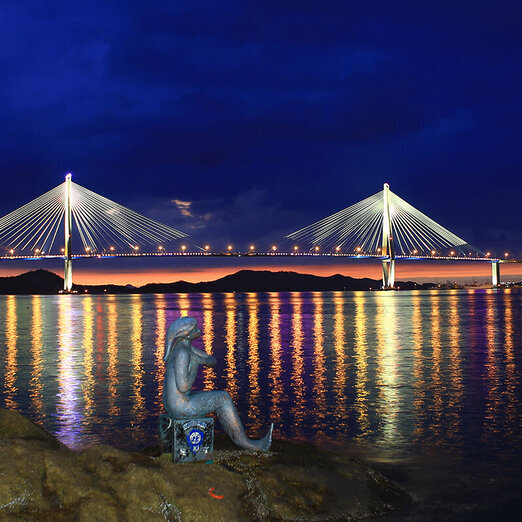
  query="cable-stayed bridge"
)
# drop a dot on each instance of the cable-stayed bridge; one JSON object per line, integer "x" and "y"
{"x": 382, "y": 227}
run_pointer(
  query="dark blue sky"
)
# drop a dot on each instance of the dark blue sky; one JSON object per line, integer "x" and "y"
{"x": 266, "y": 116}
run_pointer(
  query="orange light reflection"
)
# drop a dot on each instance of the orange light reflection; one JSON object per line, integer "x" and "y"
{"x": 11, "y": 333}
{"x": 35, "y": 384}
{"x": 88, "y": 357}
{"x": 230, "y": 341}
{"x": 361, "y": 367}
{"x": 320, "y": 365}
{"x": 254, "y": 393}
{"x": 138, "y": 407}
{"x": 112, "y": 352}
{"x": 298, "y": 406}
{"x": 276, "y": 367}
{"x": 340, "y": 358}
{"x": 209, "y": 374}
{"x": 159, "y": 371}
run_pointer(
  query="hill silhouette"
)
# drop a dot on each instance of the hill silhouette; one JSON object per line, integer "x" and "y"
{"x": 45, "y": 282}
{"x": 267, "y": 281}
{"x": 33, "y": 282}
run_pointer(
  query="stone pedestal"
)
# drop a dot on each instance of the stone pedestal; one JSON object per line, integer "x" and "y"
{"x": 187, "y": 439}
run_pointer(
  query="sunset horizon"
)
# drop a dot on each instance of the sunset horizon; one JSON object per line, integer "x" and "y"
{"x": 420, "y": 272}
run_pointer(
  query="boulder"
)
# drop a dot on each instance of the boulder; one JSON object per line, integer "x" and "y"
{"x": 13, "y": 425}
{"x": 42, "y": 479}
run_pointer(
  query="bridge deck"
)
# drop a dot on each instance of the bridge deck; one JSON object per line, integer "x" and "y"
{"x": 258, "y": 254}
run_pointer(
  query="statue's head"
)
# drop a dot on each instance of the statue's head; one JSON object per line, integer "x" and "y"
{"x": 181, "y": 328}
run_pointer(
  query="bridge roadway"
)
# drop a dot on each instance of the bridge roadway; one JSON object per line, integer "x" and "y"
{"x": 104, "y": 255}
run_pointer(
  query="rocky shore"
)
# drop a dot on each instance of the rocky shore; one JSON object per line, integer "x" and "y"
{"x": 41, "y": 479}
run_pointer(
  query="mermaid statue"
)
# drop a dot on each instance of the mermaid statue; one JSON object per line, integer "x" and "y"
{"x": 181, "y": 366}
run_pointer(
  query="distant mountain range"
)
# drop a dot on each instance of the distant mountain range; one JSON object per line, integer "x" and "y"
{"x": 45, "y": 282}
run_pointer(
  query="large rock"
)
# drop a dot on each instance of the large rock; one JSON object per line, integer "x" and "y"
{"x": 13, "y": 425}
{"x": 42, "y": 479}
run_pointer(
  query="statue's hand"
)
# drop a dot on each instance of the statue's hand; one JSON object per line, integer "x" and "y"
{"x": 210, "y": 361}
{"x": 203, "y": 357}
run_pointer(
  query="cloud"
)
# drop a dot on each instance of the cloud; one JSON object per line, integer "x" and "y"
{"x": 184, "y": 207}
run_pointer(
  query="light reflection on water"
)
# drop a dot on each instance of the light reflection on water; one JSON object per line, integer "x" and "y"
{"x": 297, "y": 412}
{"x": 68, "y": 409}
{"x": 340, "y": 359}
{"x": 35, "y": 384}
{"x": 88, "y": 359}
{"x": 319, "y": 373}
{"x": 254, "y": 411}
{"x": 361, "y": 368}
{"x": 232, "y": 348}
{"x": 276, "y": 392}
{"x": 408, "y": 370}
{"x": 208, "y": 340}
{"x": 11, "y": 334}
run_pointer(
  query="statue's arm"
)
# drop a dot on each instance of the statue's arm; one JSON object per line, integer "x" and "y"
{"x": 202, "y": 357}
{"x": 185, "y": 372}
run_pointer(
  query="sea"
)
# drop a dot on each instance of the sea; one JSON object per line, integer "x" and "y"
{"x": 423, "y": 385}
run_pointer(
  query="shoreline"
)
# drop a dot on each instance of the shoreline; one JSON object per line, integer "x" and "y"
{"x": 41, "y": 478}
{"x": 42, "y": 282}
{"x": 267, "y": 291}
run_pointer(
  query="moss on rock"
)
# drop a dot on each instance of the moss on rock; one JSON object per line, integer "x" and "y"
{"x": 42, "y": 479}
{"x": 13, "y": 425}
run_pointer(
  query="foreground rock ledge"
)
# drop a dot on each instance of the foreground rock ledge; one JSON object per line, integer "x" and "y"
{"x": 40, "y": 479}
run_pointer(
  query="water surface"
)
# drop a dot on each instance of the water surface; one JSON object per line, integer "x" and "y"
{"x": 395, "y": 374}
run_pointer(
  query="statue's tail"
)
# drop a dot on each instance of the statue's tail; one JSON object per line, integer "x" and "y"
{"x": 267, "y": 439}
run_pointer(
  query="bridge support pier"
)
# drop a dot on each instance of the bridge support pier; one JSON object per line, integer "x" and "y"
{"x": 67, "y": 276}
{"x": 388, "y": 274}
{"x": 67, "y": 273}
{"x": 495, "y": 274}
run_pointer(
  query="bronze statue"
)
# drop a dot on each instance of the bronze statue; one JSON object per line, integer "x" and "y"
{"x": 181, "y": 366}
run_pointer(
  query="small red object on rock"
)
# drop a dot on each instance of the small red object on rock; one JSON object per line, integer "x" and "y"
{"x": 212, "y": 494}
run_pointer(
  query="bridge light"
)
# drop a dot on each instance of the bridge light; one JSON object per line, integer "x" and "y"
{"x": 379, "y": 249}
{"x": 229, "y": 248}
{"x": 296, "y": 248}
{"x": 274, "y": 248}
{"x": 136, "y": 248}
{"x": 488, "y": 254}
{"x": 358, "y": 249}
{"x": 415, "y": 251}
{"x": 111, "y": 249}
{"x": 452, "y": 253}
{"x": 252, "y": 247}
{"x": 62, "y": 250}
{"x": 506, "y": 254}
{"x": 11, "y": 251}
{"x": 87, "y": 249}
{"x": 433, "y": 252}
{"x": 160, "y": 247}
{"x": 317, "y": 249}
{"x": 183, "y": 247}
{"x": 207, "y": 247}
{"x": 337, "y": 248}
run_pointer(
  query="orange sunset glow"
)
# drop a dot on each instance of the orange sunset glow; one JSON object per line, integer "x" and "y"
{"x": 407, "y": 271}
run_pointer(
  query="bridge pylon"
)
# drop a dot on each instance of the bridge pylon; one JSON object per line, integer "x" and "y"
{"x": 388, "y": 263}
{"x": 67, "y": 274}
{"x": 495, "y": 274}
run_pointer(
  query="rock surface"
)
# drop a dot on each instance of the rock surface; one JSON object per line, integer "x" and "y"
{"x": 40, "y": 479}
